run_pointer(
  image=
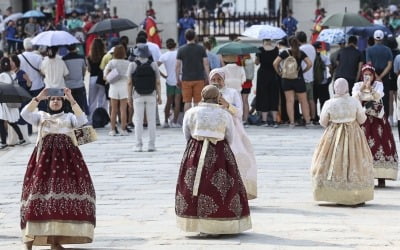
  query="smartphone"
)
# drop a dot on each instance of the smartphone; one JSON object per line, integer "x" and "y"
{"x": 55, "y": 92}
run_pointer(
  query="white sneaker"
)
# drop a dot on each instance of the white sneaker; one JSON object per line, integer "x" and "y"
{"x": 165, "y": 125}
{"x": 176, "y": 125}
{"x": 112, "y": 133}
{"x": 124, "y": 133}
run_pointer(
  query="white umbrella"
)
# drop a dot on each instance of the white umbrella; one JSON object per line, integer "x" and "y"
{"x": 332, "y": 36}
{"x": 13, "y": 17}
{"x": 54, "y": 38}
{"x": 264, "y": 32}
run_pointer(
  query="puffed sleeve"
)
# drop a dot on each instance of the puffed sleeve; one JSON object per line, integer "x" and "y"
{"x": 30, "y": 115}
{"x": 186, "y": 126}
{"x": 360, "y": 116}
{"x": 237, "y": 103}
{"x": 356, "y": 90}
{"x": 324, "y": 116}
{"x": 78, "y": 119}
{"x": 377, "y": 91}
{"x": 229, "y": 129}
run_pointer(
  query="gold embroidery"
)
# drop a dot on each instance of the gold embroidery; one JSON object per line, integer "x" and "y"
{"x": 206, "y": 206}
{"x": 180, "y": 204}
{"x": 189, "y": 178}
{"x": 235, "y": 206}
{"x": 222, "y": 181}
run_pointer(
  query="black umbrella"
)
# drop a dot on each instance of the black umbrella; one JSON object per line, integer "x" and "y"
{"x": 13, "y": 93}
{"x": 112, "y": 25}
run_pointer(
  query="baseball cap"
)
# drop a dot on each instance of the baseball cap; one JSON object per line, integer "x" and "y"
{"x": 378, "y": 35}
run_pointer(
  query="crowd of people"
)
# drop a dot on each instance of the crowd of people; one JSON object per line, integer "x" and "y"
{"x": 207, "y": 96}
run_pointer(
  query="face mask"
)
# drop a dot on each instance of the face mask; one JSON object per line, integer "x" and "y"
{"x": 215, "y": 84}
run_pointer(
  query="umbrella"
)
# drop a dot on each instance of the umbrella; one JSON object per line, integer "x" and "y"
{"x": 13, "y": 17}
{"x": 368, "y": 31}
{"x": 345, "y": 20}
{"x": 78, "y": 11}
{"x": 332, "y": 36}
{"x": 54, "y": 38}
{"x": 13, "y": 93}
{"x": 33, "y": 13}
{"x": 235, "y": 48}
{"x": 264, "y": 32}
{"x": 112, "y": 25}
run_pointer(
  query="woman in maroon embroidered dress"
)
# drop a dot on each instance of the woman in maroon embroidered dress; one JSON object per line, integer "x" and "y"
{"x": 210, "y": 195}
{"x": 377, "y": 128}
{"x": 58, "y": 197}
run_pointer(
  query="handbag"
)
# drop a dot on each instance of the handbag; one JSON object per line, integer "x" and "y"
{"x": 113, "y": 76}
{"x": 13, "y": 105}
{"x": 374, "y": 109}
{"x": 85, "y": 134}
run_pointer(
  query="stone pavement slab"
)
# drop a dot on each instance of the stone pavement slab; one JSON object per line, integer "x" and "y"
{"x": 135, "y": 198}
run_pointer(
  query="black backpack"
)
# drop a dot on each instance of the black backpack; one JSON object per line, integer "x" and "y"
{"x": 100, "y": 118}
{"x": 144, "y": 78}
{"x": 319, "y": 69}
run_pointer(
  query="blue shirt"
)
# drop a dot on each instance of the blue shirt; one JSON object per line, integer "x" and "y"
{"x": 290, "y": 25}
{"x": 379, "y": 55}
{"x": 213, "y": 60}
{"x": 11, "y": 31}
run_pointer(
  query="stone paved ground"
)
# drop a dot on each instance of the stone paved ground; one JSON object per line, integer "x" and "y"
{"x": 135, "y": 198}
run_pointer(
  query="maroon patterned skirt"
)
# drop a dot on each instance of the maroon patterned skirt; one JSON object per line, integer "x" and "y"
{"x": 383, "y": 147}
{"x": 57, "y": 186}
{"x": 221, "y": 205}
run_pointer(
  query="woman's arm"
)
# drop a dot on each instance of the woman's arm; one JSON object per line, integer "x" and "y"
{"x": 27, "y": 79}
{"x": 28, "y": 112}
{"x": 276, "y": 63}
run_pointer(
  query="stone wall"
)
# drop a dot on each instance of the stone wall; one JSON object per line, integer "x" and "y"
{"x": 166, "y": 14}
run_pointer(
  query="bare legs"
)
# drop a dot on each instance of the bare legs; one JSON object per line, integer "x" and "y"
{"x": 305, "y": 109}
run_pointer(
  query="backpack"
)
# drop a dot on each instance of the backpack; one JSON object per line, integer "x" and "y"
{"x": 100, "y": 118}
{"x": 144, "y": 78}
{"x": 290, "y": 69}
{"x": 318, "y": 69}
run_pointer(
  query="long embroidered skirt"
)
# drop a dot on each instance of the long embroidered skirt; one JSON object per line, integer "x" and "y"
{"x": 58, "y": 197}
{"x": 245, "y": 158}
{"x": 383, "y": 148}
{"x": 342, "y": 170}
{"x": 220, "y": 205}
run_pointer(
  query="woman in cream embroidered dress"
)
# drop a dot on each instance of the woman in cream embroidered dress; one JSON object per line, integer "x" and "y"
{"x": 210, "y": 196}
{"x": 241, "y": 145}
{"x": 377, "y": 130}
{"x": 58, "y": 197}
{"x": 342, "y": 163}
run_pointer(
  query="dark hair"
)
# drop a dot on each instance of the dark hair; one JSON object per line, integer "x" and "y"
{"x": 301, "y": 36}
{"x": 207, "y": 45}
{"x": 52, "y": 51}
{"x": 124, "y": 40}
{"x": 141, "y": 39}
{"x": 391, "y": 43}
{"x": 71, "y": 47}
{"x": 352, "y": 40}
{"x": 97, "y": 50}
{"x": 370, "y": 41}
{"x": 170, "y": 43}
{"x": 5, "y": 65}
{"x": 142, "y": 33}
{"x": 190, "y": 35}
{"x": 16, "y": 60}
{"x": 295, "y": 47}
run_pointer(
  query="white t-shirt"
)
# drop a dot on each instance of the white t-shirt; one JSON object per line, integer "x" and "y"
{"x": 169, "y": 61}
{"x": 54, "y": 70}
{"x": 154, "y": 50}
{"x": 34, "y": 75}
{"x": 309, "y": 50}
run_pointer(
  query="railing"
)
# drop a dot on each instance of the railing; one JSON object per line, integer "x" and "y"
{"x": 209, "y": 25}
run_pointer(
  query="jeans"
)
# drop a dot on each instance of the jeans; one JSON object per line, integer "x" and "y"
{"x": 97, "y": 96}
{"x": 140, "y": 103}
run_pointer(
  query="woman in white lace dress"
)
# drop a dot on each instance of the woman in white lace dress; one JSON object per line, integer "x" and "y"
{"x": 342, "y": 169}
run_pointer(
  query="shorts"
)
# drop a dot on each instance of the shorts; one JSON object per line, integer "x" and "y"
{"x": 297, "y": 85}
{"x": 118, "y": 90}
{"x": 310, "y": 90}
{"x": 191, "y": 90}
{"x": 173, "y": 90}
{"x": 245, "y": 91}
